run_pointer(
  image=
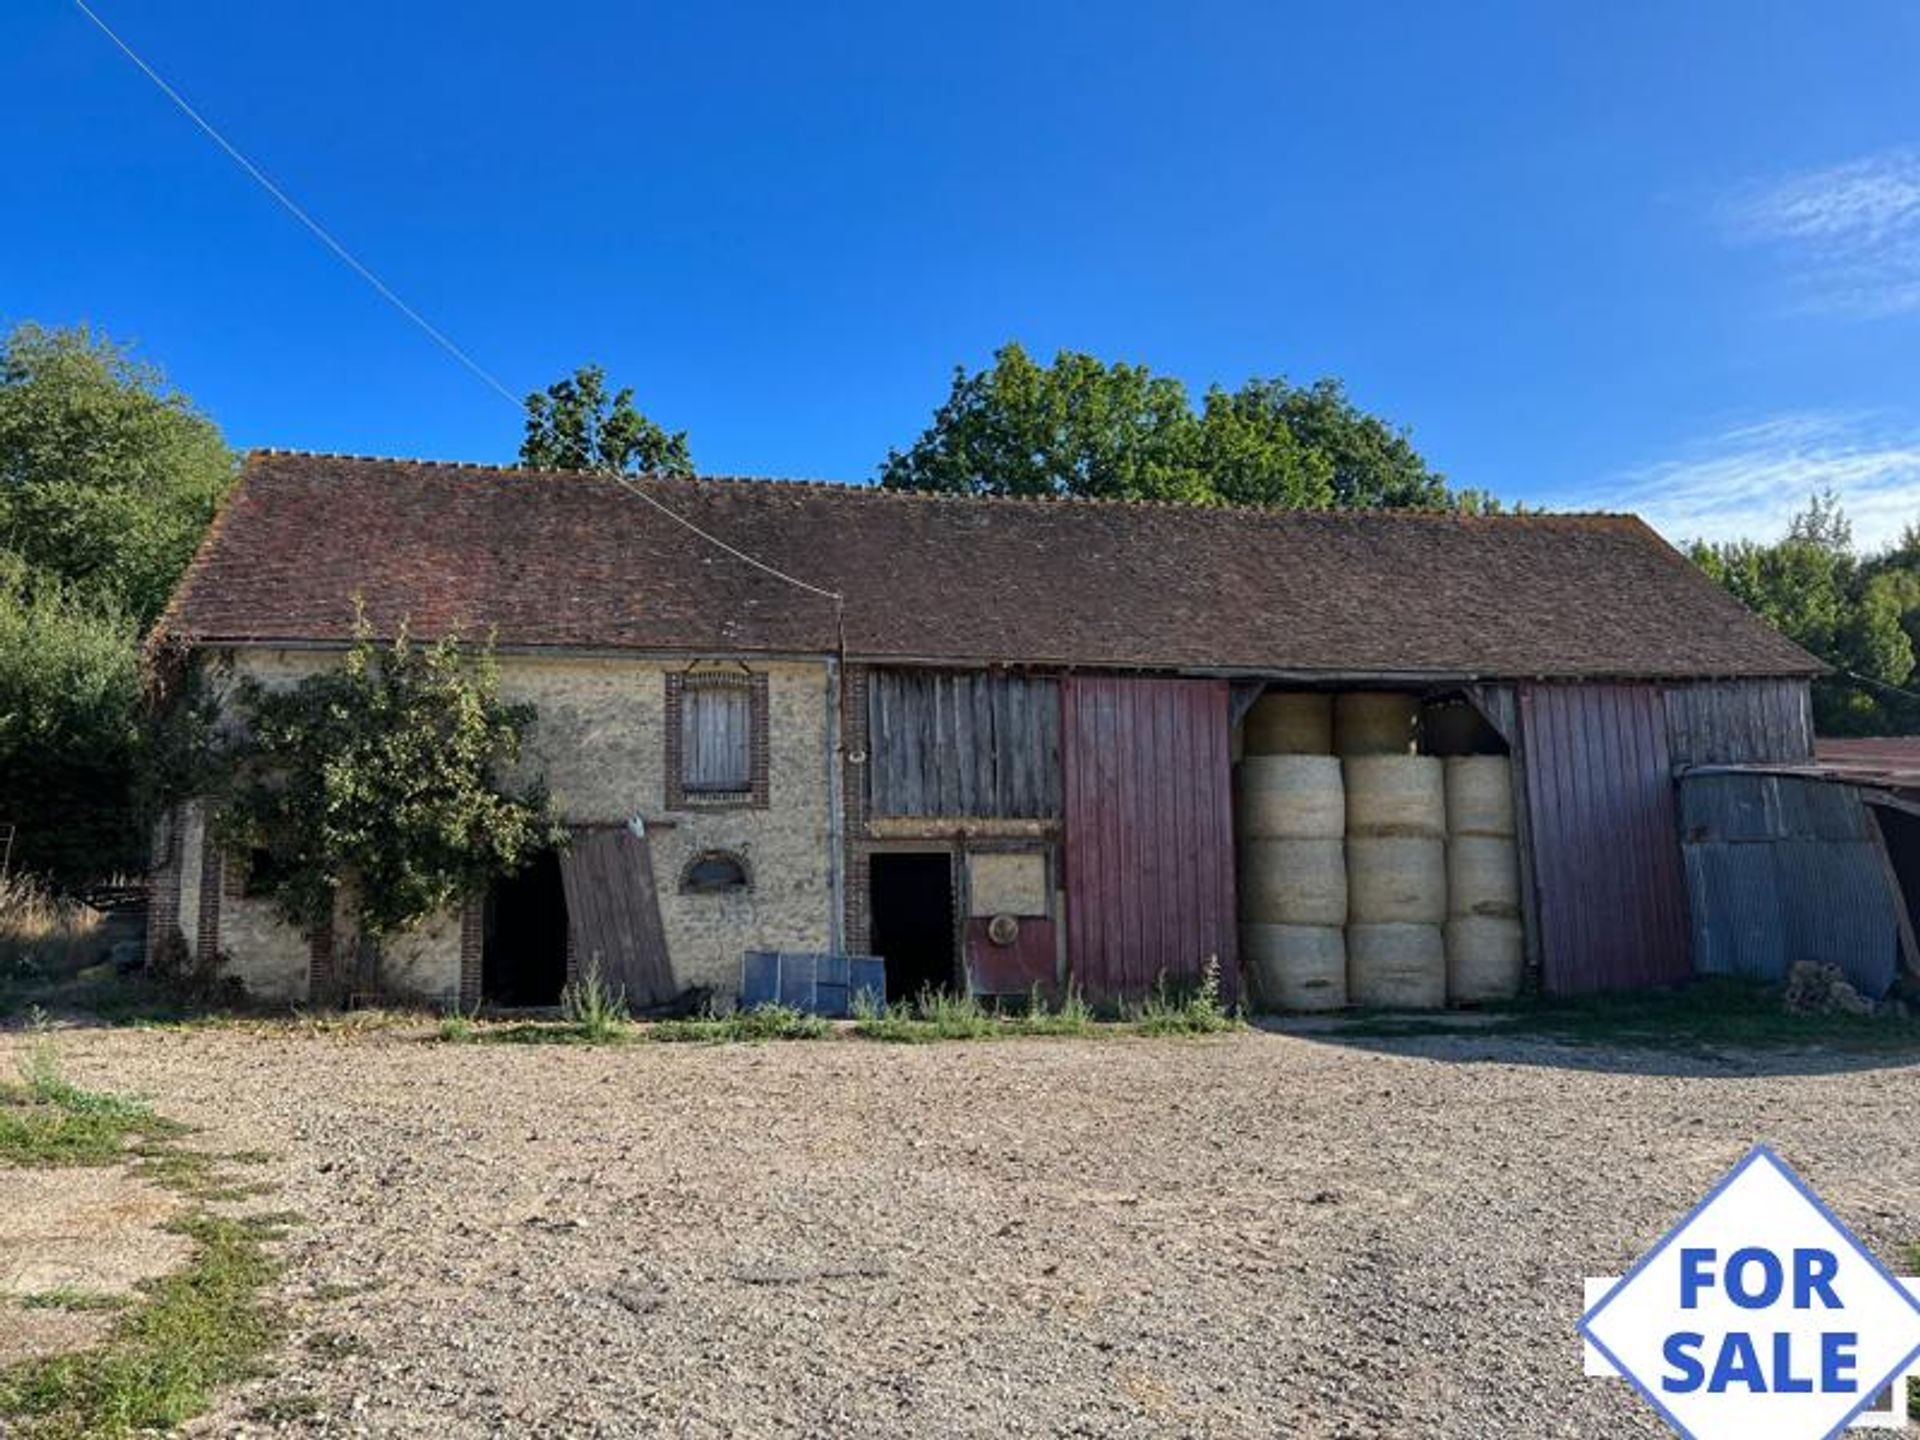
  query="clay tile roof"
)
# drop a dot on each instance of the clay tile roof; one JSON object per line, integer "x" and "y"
{"x": 571, "y": 560}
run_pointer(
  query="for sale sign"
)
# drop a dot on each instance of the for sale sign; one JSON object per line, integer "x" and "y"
{"x": 1759, "y": 1316}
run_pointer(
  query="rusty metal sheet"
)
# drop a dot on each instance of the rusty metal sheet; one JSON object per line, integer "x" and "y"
{"x": 1012, "y": 969}
{"x": 1610, "y": 891}
{"x": 614, "y": 911}
{"x": 1149, "y": 833}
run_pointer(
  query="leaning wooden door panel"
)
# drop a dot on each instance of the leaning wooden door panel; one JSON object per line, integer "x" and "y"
{"x": 1611, "y": 890}
{"x": 613, "y": 912}
{"x": 1149, "y": 833}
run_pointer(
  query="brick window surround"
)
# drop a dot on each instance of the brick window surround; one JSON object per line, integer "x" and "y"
{"x": 679, "y": 682}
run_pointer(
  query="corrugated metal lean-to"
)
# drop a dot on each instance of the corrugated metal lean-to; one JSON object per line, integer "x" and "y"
{"x": 1149, "y": 833}
{"x": 1611, "y": 895}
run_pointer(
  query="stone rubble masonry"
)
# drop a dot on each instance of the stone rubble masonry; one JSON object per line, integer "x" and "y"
{"x": 600, "y": 742}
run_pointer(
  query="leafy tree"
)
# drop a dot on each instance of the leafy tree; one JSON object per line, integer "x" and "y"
{"x": 379, "y": 783}
{"x": 70, "y": 737}
{"x": 1862, "y": 618}
{"x": 108, "y": 477}
{"x": 577, "y": 425}
{"x": 1083, "y": 427}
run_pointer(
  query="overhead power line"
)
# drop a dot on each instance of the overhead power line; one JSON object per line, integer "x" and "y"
{"x": 320, "y": 232}
{"x": 387, "y": 293}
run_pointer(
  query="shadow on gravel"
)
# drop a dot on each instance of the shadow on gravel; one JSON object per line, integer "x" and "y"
{"x": 1714, "y": 1027}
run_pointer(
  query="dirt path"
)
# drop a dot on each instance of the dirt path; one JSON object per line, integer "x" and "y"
{"x": 1253, "y": 1236}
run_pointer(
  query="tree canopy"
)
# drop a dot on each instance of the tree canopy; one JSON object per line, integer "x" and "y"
{"x": 1861, "y": 616}
{"x": 108, "y": 476}
{"x": 381, "y": 779}
{"x": 575, "y": 424}
{"x": 1083, "y": 427}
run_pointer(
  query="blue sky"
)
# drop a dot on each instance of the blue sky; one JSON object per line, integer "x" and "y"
{"x": 1642, "y": 255}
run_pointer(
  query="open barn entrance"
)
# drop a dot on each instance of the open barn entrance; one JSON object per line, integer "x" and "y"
{"x": 913, "y": 921}
{"x": 523, "y": 958}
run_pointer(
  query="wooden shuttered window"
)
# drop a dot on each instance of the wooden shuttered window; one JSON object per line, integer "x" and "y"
{"x": 716, "y": 737}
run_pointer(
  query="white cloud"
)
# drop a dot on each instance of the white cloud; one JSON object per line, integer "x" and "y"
{"x": 1851, "y": 233}
{"x": 1747, "y": 482}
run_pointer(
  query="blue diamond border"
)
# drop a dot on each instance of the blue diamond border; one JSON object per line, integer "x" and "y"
{"x": 1792, "y": 1177}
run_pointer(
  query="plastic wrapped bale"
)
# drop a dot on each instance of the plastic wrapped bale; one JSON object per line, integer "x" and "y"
{"x": 1289, "y": 797}
{"x": 1284, "y": 722}
{"x": 1486, "y": 956}
{"x": 1293, "y": 882}
{"x": 1396, "y": 967}
{"x": 1396, "y": 795}
{"x": 1375, "y": 722}
{"x": 1295, "y": 967}
{"x": 1396, "y": 880}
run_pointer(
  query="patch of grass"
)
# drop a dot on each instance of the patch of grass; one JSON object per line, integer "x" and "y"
{"x": 44, "y": 935}
{"x": 201, "y": 1327}
{"x": 70, "y": 1297}
{"x": 596, "y": 1008}
{"x": 181, "y": 1336}
{"x": 1194, "y": 1010}
{"x": 1710, "y": 1013}
{"x": 763, "y": 1022}
{"x": 48, "y": 1120}
{"x": 533, "y": 1032}
{"x": 939, "y": 1015}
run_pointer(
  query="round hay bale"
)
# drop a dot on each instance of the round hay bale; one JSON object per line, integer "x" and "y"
{"x": 1398, "y": 880}
{"x": 1485, "y": 958}
{"x": 1396, "y": 795}
{"x": 1295, "y": 967}
{"x": 1375, "y": 722}
{"x": 1483, "y": 876}
{"x": 1284, "y": 722}
{"x": 1479, "y": 795}
{"x": 1293, "y": 882}
{"x": 1290, "y": 797}
{"x": 1396, "y": 967}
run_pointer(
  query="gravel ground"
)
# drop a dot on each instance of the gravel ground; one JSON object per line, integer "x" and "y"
{"x": 1251, "y": 1236}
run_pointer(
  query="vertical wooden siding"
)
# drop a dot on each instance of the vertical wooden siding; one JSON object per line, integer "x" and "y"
{"x": 1739, "y": 722}
{"x": 963, "y": 744}
{"x": 1149, "y": 833}
{"x": 613, "y": 911}
{"x": 1606, "y": 844}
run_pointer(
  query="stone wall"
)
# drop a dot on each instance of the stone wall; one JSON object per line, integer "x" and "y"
{"x": 599, "y": 742}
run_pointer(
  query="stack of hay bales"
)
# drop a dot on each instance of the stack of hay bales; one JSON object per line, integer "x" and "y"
{"x": 1290, "y": 807}
{"x": 1396, "y": 855}
{"x": 1485, "y": 949}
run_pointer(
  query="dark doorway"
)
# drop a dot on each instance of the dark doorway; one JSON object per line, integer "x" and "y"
{"x": 523, "y": 961}
{"x": 912, "y": 912}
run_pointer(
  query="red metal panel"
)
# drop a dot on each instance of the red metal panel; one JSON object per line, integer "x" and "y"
{"x": 1610, "y": 886}
{"x": 1010, "y": 969}
{"x": 1149, "y": 833}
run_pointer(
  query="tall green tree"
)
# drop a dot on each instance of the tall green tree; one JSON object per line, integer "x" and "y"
{"x": 70, "y": 731}
{"x": 1861, "y": 617}
{"x": 1083, "y": 427}
{"x": 108, "y": 476}
{"x": 575, "y": 424}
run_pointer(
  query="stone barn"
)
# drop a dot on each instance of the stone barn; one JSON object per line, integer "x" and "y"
{"x": 1008, "y": 743}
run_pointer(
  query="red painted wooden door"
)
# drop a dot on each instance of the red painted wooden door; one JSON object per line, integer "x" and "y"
{"x": 1149, "y": 833}
{"x": 1606, "y": 842}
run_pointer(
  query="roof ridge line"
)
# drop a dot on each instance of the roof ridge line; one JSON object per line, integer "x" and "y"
{"x": 878, "y": 491}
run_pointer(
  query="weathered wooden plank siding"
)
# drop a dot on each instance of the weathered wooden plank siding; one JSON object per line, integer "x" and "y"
{"x": 1739, "y": 722}
{"x": 1611, "y": 897}
{"x": 613, "y": 910}
{"x": 1149, "y": 833}
{"x": 977, "y": 744}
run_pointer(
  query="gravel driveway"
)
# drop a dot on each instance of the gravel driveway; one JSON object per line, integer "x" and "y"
{"x": 1258, "y": 1235}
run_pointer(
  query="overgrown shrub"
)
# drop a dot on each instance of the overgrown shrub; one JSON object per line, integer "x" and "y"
{"x": 381, "y": 781}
